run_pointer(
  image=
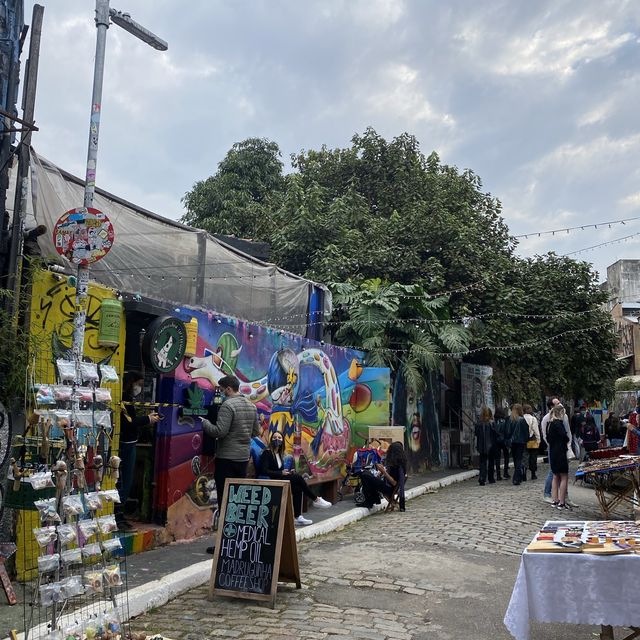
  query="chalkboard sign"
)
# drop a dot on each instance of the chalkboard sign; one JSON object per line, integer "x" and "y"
{"x": 256, "y": 541}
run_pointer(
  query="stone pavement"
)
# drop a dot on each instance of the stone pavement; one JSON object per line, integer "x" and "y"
{"x": 442, "y": 570}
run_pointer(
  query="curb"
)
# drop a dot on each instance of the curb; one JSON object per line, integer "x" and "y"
{"x": 158, "y": 592}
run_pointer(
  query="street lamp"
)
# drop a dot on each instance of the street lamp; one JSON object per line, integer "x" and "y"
{"x": 103, "y": 12}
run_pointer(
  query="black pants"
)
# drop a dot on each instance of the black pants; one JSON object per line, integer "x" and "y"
{"x": 502, "y": 450}
{"x": 372, "y": 487}
{"x": 494, "y": 462}
{"x": 530, "y": 461}
{"x": 299, "y": 486}
{"x": 227, "y": 469}
{"x": 487, "y": 460}
{"x": 517, "y": 449}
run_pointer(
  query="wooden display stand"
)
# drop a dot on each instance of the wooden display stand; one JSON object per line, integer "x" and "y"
{"x": 256, "y": 541}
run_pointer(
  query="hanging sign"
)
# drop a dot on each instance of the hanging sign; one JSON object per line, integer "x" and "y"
{"x": 256, "y": 541}
{"x": 164, "y": 343}
{"x": 83, "y": 235}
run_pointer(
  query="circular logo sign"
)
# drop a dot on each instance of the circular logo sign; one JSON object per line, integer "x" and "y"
{"x": 83, "y": 235}
{"x": 165, "y": 343}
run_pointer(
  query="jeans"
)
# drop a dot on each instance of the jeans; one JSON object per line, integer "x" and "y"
{"x": 127, "y": 453}
{"x": 617, "y": 442}
{"x": 227, "y": 469}
{"x": 502, "y": 450}
{"x": 547, "y": 484}
{"x": 517, "y": 449}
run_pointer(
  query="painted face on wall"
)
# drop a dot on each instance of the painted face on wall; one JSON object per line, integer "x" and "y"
{"x": 415, "y": 433}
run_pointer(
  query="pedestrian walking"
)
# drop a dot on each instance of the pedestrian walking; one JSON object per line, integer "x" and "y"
{"x": 483, "y": 429}
{"x": 502, "y": 443}
{"x": 530, "y": 460}
{"x": 276, "y": 466}
{"x": 236, "y": 424}
{"x": 518, "y": 434}
{"x": 558, "y": 440}
{"x": 552, "y": 402}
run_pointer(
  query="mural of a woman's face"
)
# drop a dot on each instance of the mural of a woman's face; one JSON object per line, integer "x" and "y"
{"x": 415, "y": 433}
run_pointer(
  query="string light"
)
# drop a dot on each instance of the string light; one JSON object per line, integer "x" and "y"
{"x": 581, "y": 227}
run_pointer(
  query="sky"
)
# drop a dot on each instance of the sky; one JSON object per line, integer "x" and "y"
{"x": 540, "y": 99}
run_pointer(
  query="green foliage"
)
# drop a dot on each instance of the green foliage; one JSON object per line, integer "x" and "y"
{"x": 381, "y": 211}
{"x": 240, "y": 197}
{"x": 400, "y": 327}
{"x": 628, "y": 383}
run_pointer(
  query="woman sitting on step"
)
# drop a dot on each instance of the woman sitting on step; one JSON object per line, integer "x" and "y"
{"x": 276, "y": 466}
{"x": 387, "y": 479}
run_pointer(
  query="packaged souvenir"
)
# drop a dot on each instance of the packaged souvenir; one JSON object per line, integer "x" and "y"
{"x": 110, "y": 495}
{"x": 112, "y": 622}
{"x": 48, "y": 563}
{"x": 93, "y": 581}
{"x": 103, "y": 419}
{"x": 41, "y": 480}
{"x": 67, "y": 533}
{"x": 71, "y": 586}
{"x": 88, "y": 528}
{"x": 91, "y": 550}
{"x": 45, "y": 535}
{"x": 46, "y": 595}
{"x": 89, "y": 371}
{"x": 66, "y": 370}
{"x": 85, "y": 394}
{"x": 93, "y": 500}
{"x": 108, "y": 373}
{"x": 112, "y": 577}
{"x": 112, "y": 546}
{"x": 44, "y": 394}
{"x": 72, "y": 505}
{"x": 47, "y": 509}
{"x": 62, "y": 392}
{"x": 107, "y": 524}
{"x": 103, "y": 394}
{"x": 71, "y": 556}
{"x": 73, "y": 631}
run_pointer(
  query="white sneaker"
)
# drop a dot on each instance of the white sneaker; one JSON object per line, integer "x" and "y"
{"x": 301, "y": 521}
{"x": 571, "y": 503}
{"x": 321, "y": 503}
{"x": 548, "y": 499}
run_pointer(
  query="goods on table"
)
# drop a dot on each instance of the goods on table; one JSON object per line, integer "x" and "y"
{"x": 605, "y": 465}
{"x": 608, "y": 452}
{"x": 604, "y": 537}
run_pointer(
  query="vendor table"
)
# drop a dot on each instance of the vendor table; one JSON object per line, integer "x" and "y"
{"x": 576, "y": 588}
{"x": 615, "y": 481}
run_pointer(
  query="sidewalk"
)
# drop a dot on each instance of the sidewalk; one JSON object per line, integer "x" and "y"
{"x": 161, "y": 574}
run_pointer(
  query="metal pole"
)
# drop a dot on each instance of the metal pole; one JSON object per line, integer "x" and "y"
{"x": 82, "y": 282}
{"x": 20, "y": 203}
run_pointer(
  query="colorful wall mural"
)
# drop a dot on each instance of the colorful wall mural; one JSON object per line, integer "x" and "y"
{"x": 477, "y": 392}
{"x": 318, "y": 396}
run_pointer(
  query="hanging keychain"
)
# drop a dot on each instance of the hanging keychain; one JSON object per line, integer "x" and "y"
{"x": 114, "y": 468}
{"x": 98, "y": 469}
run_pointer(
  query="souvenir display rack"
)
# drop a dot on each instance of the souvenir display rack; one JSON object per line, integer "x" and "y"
{"x": 62, "y": 477}
{"x": 616, "y": 481}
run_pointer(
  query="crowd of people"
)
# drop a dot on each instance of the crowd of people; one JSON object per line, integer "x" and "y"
{"x": 519, "y": 434}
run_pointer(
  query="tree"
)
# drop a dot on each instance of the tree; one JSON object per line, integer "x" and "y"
{"x": 399, "y": 326}
{"x": 240, "y": 198}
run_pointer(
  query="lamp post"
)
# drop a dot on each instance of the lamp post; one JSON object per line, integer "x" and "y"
{"x": 123, "y": 20}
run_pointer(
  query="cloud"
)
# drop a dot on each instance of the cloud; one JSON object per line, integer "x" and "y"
{"x": 632, "y": 200}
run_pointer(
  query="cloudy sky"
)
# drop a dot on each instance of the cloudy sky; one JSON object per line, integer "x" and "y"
{"x": 539, "y": 98}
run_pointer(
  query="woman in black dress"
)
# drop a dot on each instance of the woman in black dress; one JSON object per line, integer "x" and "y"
{"x": 558, "y": 440}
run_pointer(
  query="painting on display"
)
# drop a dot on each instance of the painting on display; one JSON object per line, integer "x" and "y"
{"x": 320, "y": 397}
{"x": 476, "y": 393}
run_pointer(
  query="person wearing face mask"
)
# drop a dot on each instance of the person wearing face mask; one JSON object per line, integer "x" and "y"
{"x": 277, "y": 466}
{"x": 130, "y": 425}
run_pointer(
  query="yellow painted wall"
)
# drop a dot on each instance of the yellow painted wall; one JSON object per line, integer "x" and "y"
{"x": 51, "y": 324}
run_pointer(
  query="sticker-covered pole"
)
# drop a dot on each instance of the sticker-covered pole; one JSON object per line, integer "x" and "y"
{"x": 82, "y": 281}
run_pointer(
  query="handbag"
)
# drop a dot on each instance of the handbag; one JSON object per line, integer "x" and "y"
{"x": 532, "y": 443}
{"x": 570, "y": 454}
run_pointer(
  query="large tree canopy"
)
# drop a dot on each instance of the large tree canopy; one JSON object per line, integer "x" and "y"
{"x": 381, "y": 211}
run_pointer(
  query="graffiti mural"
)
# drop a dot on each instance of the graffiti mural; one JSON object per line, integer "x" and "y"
{"x": 318, "y": 396}
{"x": 477, "y": 392}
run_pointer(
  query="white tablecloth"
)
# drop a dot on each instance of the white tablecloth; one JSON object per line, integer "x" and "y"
{"x": 574, "y": 587}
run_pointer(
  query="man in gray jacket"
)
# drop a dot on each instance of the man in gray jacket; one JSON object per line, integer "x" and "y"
{"x": 237, "y": 423}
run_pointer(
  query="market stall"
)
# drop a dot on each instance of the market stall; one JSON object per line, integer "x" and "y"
{"x": 615, "y": 480}
{"x": 579, "y": 573}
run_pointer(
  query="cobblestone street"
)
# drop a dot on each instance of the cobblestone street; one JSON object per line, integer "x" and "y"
{"x": 444, "y": 569}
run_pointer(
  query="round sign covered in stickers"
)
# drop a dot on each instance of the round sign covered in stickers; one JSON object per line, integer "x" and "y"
{"x": 83, "y": 235}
